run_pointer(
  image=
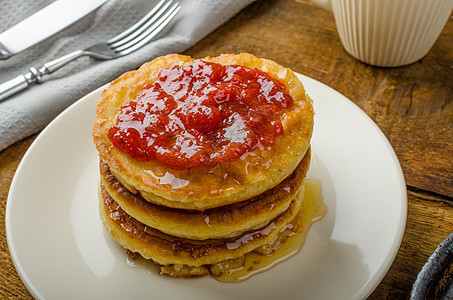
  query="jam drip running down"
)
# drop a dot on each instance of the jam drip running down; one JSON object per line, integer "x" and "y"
{"x": 201, "y": 115}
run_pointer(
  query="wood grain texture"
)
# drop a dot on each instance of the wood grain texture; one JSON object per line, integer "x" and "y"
{"x": 412, "y": 105}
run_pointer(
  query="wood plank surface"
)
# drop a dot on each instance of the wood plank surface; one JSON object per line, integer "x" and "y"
{"x": 412, "y": 105}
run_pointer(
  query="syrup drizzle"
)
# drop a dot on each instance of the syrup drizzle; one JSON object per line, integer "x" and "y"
{"x": 313, "y": 209}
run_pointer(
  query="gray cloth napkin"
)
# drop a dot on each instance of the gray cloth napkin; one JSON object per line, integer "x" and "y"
{"x": 31, "y": 110}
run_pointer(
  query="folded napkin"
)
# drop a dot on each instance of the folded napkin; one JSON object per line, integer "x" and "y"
{"x": 31, "y": 110}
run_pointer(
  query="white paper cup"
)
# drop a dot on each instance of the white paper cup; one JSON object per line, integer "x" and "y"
{"x": 389, "y": 33}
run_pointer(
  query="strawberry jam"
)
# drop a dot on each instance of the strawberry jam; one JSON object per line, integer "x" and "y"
{"x": 201, "y": 115}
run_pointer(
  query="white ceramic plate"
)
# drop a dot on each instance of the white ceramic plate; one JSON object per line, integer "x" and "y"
{"x": 61, "y": 250}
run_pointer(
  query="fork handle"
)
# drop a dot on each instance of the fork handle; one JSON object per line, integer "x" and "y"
{"x": 19, "y": 83}
{"x": 56, "y": 64}
{"x": 34, "y": 75}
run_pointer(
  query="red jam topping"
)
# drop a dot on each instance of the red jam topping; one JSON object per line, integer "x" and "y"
{"x": 201, "y": 115}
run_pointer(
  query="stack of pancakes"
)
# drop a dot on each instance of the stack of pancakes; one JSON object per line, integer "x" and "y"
{"x": 190, "y": 220}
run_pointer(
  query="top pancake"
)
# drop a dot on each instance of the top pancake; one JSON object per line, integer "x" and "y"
{"x": 201, "y": 188}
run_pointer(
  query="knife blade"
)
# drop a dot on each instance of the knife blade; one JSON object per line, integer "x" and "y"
{"x": 43, "y": 24}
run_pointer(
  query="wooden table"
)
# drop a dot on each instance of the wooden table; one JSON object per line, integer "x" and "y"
{"x": 412, "y": 105}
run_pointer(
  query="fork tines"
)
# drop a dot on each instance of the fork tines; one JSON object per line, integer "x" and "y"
{"x": 145, "y": 29}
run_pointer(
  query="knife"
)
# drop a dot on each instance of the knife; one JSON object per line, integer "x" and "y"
{"x": 43, "y": 24}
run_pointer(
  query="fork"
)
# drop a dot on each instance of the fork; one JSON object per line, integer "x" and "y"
{"x": 126, "y": 42}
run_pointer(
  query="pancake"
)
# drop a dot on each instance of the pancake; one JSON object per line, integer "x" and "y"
{"x": 204, "y": 187}
{"x": 221, "y": 222}
{"x": 169, "y": 250}
{"x": 203, "y": 161}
